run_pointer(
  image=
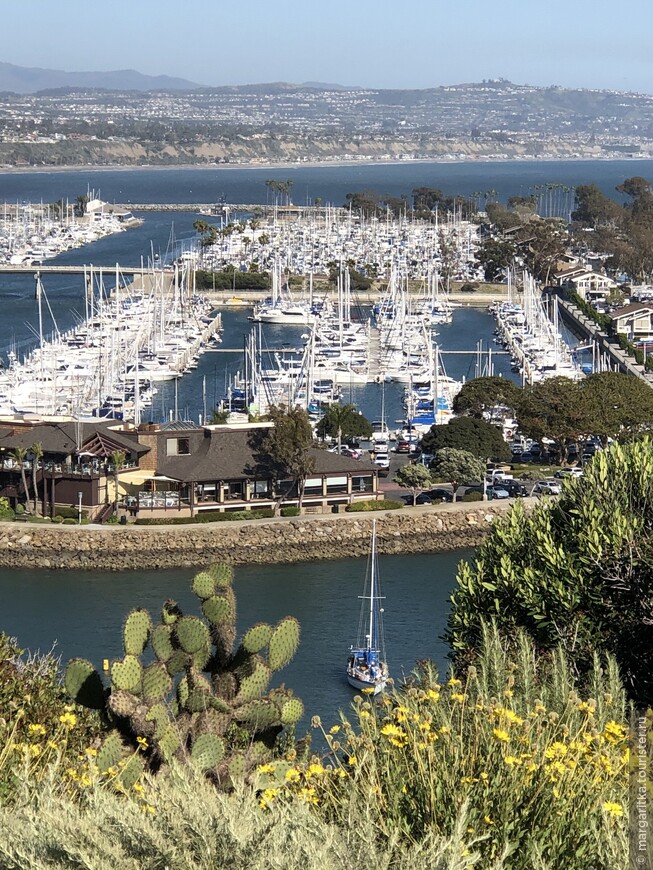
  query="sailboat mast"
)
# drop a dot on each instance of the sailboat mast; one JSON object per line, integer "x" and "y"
{"x": 370, "y": 640}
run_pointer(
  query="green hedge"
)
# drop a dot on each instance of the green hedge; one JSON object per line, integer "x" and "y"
{"x": 69, "y": 513}
{"x": 208, "y": 517}
{"x": 472, "y": 496}
{"x": 289, "y": 512}
{"x": 385, "y": 505}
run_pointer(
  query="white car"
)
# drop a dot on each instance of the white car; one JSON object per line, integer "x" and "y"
{"x": 382, "y": 460}
{"x": 547, "y": 487}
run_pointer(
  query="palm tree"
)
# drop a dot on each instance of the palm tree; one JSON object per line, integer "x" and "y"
{"x": 118, "y": 459}
{"x": 37, "y": 455}
{"x": 19, "y": 454}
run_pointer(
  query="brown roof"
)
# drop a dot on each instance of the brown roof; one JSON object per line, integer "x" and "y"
{"x": 223, "y": 454}
{"x": 630, "y": 309}
{"x": 63, "y": 438}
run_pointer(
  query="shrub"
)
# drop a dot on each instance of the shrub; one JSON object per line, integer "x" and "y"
{"x": 57, "y": 519}
{"x": 472, "y": 496}
{"x": 69, "y": 521}
{"x": 535, "y": 775}
{"x": 385, "y": 504}
{"x": 207, "y": 517}
{"x": 290, "y": 512}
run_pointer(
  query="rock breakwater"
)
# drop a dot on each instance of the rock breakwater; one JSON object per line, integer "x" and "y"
{"x": 277, "y": 541}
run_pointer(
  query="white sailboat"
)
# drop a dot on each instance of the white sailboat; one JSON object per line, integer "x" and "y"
{"x": 367, "y": 668}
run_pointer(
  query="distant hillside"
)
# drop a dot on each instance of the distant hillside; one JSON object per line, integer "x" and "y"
{"x": 31, "y": 80}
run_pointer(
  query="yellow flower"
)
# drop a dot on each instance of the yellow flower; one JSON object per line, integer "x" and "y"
{"x": 444, "y": 729}
{"x": 315, "y": 770}
{"x": 34, "y": 750}
{"x": 292, "y": 775}
{"x": 353, "y": 760}
{"x": 36, "y": 730}
{"x": 424, "y": 726}
{"x": 510, "y": 760}
{"x": 69, "y": 720}
{"x": 614, "y": 732}
{"x": 149, "y": 809}
{"x": 432, "y": 695}
{"x": 484, "y": 776}
{"x": 52, "y": 745}
{"x": 507, "y": 693}
{"x": 308, "y": 796}
{"x": 391, "y": 730}
{"x": 334, "y": 729}
{"x": 488, "y": 820}
{"x": 265, "y": 768}
{"x": 556, "y": 750}
{"x": 456, "y": 696}
{"x": 613, "y": 808}
{"x": 142, "y": 743}
{"x": 138, "y": 788}
{"x": 501, "y": 735}
{"x": 454, "y": 682}
{"x": 365, "y": 714}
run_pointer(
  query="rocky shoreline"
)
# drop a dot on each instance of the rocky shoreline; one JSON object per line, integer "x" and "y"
{"x": 279, "y": 541}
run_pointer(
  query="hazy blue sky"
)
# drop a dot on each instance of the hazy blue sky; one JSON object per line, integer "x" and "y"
{"x": 372, "y": 43}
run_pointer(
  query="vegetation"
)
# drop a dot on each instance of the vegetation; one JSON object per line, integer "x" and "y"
{"x": 384, "y": 504}
{"x": 482, "y": 394}
{"x": 457, "y": 466}
{"x": 207, "y": 517}
{"x": 343, "y": 422}
{"x": 183, "y": 690}
{"x": 478, "y": 437}
{"x": 511, "y": 768}
{"x": 576, "y": 572}
{"x": 287, "y": 444}
{"x": 416, "y": 478}
{"x": 232, "y": 279}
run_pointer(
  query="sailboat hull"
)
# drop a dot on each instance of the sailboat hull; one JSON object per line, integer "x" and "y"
{"x": 377, "y": 685}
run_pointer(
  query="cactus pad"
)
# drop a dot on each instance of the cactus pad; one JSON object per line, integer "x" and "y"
{"x": 162, "y": 642}
{"x": 292, "y": 711}
{"x": 156, "y": 682}
{"x": 212, "y": 722}
{"x": 257, "y": 637}
{"x": 122, "y": 703}
{"x": 218, "y": 609}
{"x": 110, "y": 753}
{"x": 159, "y": 715}
{"x": 182, "y": 692}
{"x": 201, "y": 658}
{"x": 207, "y": 751}
{"x": 177, "y": 662}
{"x": 253, "y": 686}
{"x": 168, "y": 743}
{"x": 222, "y": 574}
{"x": 170, "y": 612}
{"x": 203, "y": 585}
{"x": 136, "y": 632}
{"x": 192, "y": 634}
{"x": 84, "y": 684}
{"x": 259, "y": 714}
{"x": 126, "y": 674}
{"x": 131, "y": 772}
{"x": 283, "y": 643}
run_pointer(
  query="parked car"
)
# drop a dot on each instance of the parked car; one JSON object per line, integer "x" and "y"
{"x": 547, "y": 487}
{"x": 382, "y": 460}
{"x": 515, "y": 488}
{"x": 569, "y": 472}
{"x": 422, "y": 498}
{"x": 347, "y": 451}
{"x": 440, "y": 495}
{"x": 403, "y": 447}
{"x": 497, "y": 491}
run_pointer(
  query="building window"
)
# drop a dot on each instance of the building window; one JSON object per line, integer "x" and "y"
{"x": 361, "y": 484}
{"x": 177, "y": 447}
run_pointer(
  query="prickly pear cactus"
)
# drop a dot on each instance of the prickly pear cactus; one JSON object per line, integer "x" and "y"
{"x": 184, "y": 690}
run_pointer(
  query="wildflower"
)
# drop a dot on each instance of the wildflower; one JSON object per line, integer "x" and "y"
{"x": 556, "y": 750}
{"x": 368, "y": 691}
{"x": 34, "y": 750}
{"x": 71, "y": 773}
{"x": 507, "y": 693}
{"x": 584, "y": 707}
{"x": 308, "y": 796}
{"x": 456, "y": 696}
{"x": 36, "y": 730}
{"x": 353, "y": 760}
{"x": 149, "y": 809}
{"x": 432, "y": 695}
{"x": 265, "y": 768}
{"x": 484, "y": 776}
{"x": 90, "y": 751}
{"x": 142, "y": 743}
{"x": 316, "y": 722}
{"x": 614, "y": 809}
{"x": 315, "y": 769}
{"x": 334, "y": 729}
{"x": 424, "y": 726}
{"x": 365, "y": 714}
{"x": 500, "y": 734}
{"x": 52, "y": 745}
{"x": 68, "y": 719}
{"x": 488, "y": 820}
{"x": 292, "y": 775}
{"x": 539, "y": 707}
{"x": 510, "y": 760}
{"x": 444, "y": 729}
{"x": 390, "y": 730}
{"x": 614, "y": 732}
{"x": 138, "y": 788}
{"x": 556, "y": 792}
{"x": 401, "y": 713}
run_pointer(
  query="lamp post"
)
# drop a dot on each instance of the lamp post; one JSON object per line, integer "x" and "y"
{"x": 80, "y": 495}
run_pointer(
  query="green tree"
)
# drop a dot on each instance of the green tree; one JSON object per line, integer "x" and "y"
{"x": 20, "y": 454}
{"x": 343, "y": 422}
{"x": 554, "y": 408}
{"x": 495, "y": 256}
{"x": 576, "y": 572}
{"x": 478, "y": 437}
{"x": 37, "y": 456}
{"x": 456, "y": 466}
{"x": 481, "y": 394}
{"x": 594, "y": 208}
{"x": 288, "y": 443}
{"x": 118, "y": 459}
{"x": 542, "y": 243}
{"x": 416, "y": 478}
{"x": 619, "y": 405}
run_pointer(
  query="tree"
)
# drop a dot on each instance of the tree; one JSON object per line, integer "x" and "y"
{"x": 413, "y": 477}
{"x": 619, "y": 405}
{"x": 576, "y": 572}
{"x": 554, "y": 408}
{"x": 19, "y": 454}
{"x": 594, "y": 208}
{"x": 456, "y": 467}
{"x": 118, "y": 459}
{"x": 343, "y": 422}
{"x": 37, "y": 455}
{"x": 478, "y": 437}
{"x": 542, "y": 244}
{"x": 481, "y": 394}
{"x": 495, "y": 256}
{"x": 288, "y": 444}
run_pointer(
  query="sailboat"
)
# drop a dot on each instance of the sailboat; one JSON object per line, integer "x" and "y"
{"x": 367, "y": 668}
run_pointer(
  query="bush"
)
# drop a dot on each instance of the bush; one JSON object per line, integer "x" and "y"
{"x": 57, "y": 519}
{"x": 290, "y": 512}
{"x": 69, "y": 521}
{"x": 472, "y": 496}
{"x": 385, "y": 504}
{"x": 37, "y": 519}
{"x": 206, "y": 517}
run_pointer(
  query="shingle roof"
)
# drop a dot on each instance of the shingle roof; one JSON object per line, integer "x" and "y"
{"x": 238, "y": 454}
{"x": 630, "y": 309}
{"x": 64, "y": 438}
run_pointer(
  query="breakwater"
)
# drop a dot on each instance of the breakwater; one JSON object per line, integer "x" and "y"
{"x": 283, "y": 541}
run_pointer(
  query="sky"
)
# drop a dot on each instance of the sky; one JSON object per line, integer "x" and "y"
{"x": 366, "y": 43}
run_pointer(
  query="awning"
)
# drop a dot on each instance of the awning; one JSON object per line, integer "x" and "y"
{"x": 137, "y": 477}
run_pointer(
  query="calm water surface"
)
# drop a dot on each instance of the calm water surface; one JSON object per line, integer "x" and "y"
{"x": 82, "y": 613}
